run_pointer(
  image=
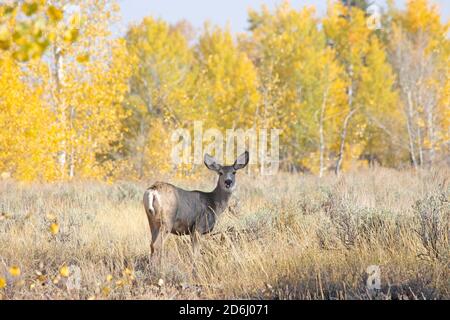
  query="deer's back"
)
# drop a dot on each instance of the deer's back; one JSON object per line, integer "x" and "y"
{"x": 179, "y": 209}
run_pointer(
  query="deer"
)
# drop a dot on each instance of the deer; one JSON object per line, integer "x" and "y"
{"x": 177, "y": 211}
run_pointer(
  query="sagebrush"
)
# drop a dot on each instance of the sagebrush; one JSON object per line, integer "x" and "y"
{"x": 287, "y": 237}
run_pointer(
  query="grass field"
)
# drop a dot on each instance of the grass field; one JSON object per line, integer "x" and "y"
{"x": 288, "y": 237}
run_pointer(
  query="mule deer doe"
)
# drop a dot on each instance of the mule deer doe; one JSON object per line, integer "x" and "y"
{"x": 181, "y": 212}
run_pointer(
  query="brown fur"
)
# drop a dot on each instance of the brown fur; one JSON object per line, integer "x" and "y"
{"x": 181, "y": 212}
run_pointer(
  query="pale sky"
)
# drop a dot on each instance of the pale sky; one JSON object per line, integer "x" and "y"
{"x": 221, "y": 12}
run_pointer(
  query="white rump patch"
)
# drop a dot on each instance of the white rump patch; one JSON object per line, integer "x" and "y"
{"x": 151, "y": 196}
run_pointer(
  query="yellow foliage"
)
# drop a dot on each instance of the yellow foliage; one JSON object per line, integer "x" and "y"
{"x": 29, "y": 27}
{"x": 106, "y": 291}
{"x": 302, "y": 82}
{"x": 54, "y": 13}
{"x": 64, "y": 271}
{"x": 83, "y": 58}
{"x": 14, "y": 271}
{"x": 104, "y": 107}
{"x": 418, "y": 30}
{"x": 54, "y": 228}
{"x": 27, "y": 137}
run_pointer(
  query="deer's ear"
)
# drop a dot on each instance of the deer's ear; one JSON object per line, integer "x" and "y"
{"x": 241, "y": 161}
{"x": 211, "y": 163}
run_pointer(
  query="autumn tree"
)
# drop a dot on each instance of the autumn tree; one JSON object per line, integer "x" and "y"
{"x": 83, "y": 84}
{"x": 369, "y": 80}
{"x": 27, "y": 139}
{"x": 25, "y": 27}
{"x": 419, "y": 51}
{"x": 301, "y": 83}
{"x": 77, "y": 101}
{"x": 227, "y": 81}
{"x": 161, "y": 91}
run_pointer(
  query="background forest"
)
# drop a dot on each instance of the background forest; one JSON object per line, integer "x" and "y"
{"x": 78, "y": 101}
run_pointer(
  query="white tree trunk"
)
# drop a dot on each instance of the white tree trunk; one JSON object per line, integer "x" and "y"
{"x": 321, "y": 133}
{"x": 409, "y": 125}
{"x": 61, "y": 108}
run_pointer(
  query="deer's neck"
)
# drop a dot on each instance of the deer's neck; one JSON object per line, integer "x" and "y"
{"x": 220, "y": 199}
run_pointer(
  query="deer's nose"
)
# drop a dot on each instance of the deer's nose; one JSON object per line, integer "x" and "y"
{"x": 228, "y": 181}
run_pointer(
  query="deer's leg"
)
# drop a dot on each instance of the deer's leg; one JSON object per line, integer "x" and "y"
{"x": 195, "y": 241}
{"x": 156, "y": 241}
{"x": 155, "y": 231}
{"x": 157, "y": 246}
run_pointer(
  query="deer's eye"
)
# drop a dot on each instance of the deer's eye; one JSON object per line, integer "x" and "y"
{"x": 220, "y": 173}
{"x": 234, "y": 172}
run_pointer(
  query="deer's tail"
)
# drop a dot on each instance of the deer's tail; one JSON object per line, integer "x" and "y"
{"x": 150, "y": 196}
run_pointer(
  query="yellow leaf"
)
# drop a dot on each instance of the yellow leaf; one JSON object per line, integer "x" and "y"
{"x": 83, "y": 58}
{"x": 54, "y": 13}
{"x": 127, "y": 272}
{"x": 109, "y": 278}
{"x": 54, "y": 228}
{"x": 51, "y": 36}
{"x": 2, "y": 283}
{"x": 106, "y": 291}
{"x": 5, "y": 37}
{"x": 14, "y": 271}
{"x": 64, "y": 271}
{"x": 29, "y": 8}
{"x": 71, "y": 35}
{"x": 5, "y": 44}
{"x": 7, "y": 10}
{"x": 21, "y": 55}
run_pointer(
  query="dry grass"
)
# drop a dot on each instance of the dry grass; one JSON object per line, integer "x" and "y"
{"x": 291, "y": 237}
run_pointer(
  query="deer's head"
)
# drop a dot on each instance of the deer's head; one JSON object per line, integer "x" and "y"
{"x": 227, "y": 174}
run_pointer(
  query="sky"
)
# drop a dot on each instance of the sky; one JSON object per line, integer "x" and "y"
{"x": 223, "y": 12}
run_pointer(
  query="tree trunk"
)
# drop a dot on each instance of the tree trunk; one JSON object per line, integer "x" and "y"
{"x": 342, "y": 144}
{"x": 61, "y": 108}
{"x": 419, "y": 145}
{"x": 431, "y": 137}
{"x": 141, "y": 145}
{"x": 321, "y": 134}
{"x": 346, "y": 123}
{"x": 72, "y": 148}
{"x": 409, "y": 124}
